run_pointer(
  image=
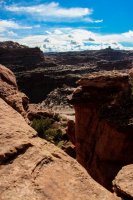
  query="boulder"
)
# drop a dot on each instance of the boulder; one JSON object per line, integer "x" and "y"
{"x": 123, "y": 183}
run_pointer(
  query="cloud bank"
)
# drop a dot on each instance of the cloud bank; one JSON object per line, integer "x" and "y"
{"x": 70, "y": 39}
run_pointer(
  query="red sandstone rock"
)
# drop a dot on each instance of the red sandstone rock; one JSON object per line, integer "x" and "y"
{"x": 35, "y": 112}
{"x": 104, "y": 124}
{"x": 7, "y": 76}
{"x": 9, "y": 91}
{"x": 31, "y": 168}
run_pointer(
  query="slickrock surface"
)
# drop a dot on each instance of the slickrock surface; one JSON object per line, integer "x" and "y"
{"x": 32, "y": 168}
{"x": 9, "y": 91}
{"x": 123, "y": 183}
{"x": 104, "y": 124}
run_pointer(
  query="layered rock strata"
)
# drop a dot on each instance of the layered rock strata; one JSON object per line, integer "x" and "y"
{"x": 104, "y": 124}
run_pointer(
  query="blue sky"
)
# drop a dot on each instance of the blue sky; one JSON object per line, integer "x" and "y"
{"x": 67, "y": 25}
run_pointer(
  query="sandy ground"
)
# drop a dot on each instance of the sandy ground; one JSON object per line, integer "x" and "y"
{"x": 65, "y": 112}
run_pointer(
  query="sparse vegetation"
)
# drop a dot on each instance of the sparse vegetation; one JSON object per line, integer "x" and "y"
{"x": 41, "y": 125}
{"x": 53, "y": 135}
{"x": 48, "y": 129}
{"x": 53, "y": 130}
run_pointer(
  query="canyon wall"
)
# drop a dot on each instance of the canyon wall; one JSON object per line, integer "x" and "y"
{"x": 104, "y": 124}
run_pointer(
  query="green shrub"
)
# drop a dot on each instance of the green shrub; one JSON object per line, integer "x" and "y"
{"x": 56, "y": 117}
{"x": 48, "y": 130}
{"x": 53, "y": 135}
{"x": 41, "y": 125}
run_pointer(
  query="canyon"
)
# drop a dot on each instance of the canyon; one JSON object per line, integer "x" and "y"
{"x": 102, "y": 131}
{"x": 40, "y": 73}
{"x": 33, "y": 168}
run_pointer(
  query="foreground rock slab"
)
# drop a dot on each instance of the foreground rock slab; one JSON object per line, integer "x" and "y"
{"x": 31, "y": 168}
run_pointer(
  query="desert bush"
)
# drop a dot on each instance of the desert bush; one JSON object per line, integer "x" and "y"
{"x": 41, "y": 125}
{"x": 56, "y": 117}
{"x": 48, "y": 129}
{"x": 53, "y": 135}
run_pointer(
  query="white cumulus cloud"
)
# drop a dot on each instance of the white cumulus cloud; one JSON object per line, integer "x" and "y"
{"x": 73, "y": 39}
{"x": 4, "y": 24}
{"x": 10, "y": 24}
{"x": 54, "y": 12}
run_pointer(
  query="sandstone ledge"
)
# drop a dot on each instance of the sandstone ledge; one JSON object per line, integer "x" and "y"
{"x": 104, "y": 79}
{"x": 110, "y": 92}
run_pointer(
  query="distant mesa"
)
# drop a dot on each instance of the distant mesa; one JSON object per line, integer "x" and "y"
{"x": 12, "y": 45}
{"x": 13, "y": 54}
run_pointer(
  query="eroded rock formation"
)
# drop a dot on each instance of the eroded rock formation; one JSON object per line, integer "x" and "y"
{"x": 31, "y": 168}
{"x": 9, "y": 91}
{"x": 104, "y": 124}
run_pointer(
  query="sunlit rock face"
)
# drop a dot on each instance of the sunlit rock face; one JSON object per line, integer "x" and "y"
{"x": 9, "y": 91}
{"x": 104, "y": 124}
